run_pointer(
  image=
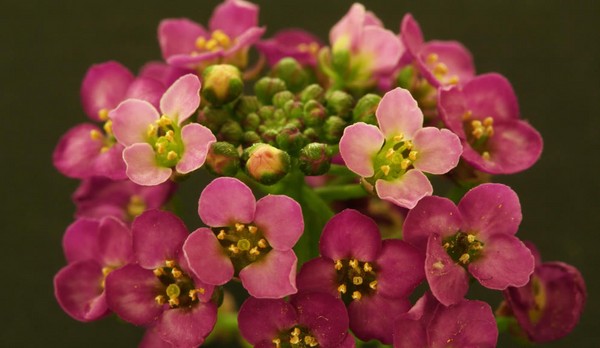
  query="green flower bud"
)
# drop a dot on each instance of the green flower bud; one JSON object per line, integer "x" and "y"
{"x": 315, "y": 159}
{"x": 290, "y": 139}
{"x": 222, "y": 159}
{"x": 333, "y": 129}
{"x": 406, "y": 77}
{"x": 249, "y": 138}
{"x": 213, "y": 118}
{"x": 312, "y": 92}
{"x": 221, "y": 84}
{"x": 231, "y": 131}
{"x": 269, "y": 136}
{"x": 314, "y": 114}
{"x": 281, "y": 98}
{"x": 245, "y": 105}
{"x": 267, "y": 87}
{"x": 251, "y": 121}
{"x": 365, "y": 108}
{"x": 293, "y": 109}
{"x": 340, "y": 56}
{"x": 340, "y": 103}
{"x": 292, "y": 73}
{"x": 311, "y": 134}
{"x": 266, "y": 113}
{"x": 265, "y": 163}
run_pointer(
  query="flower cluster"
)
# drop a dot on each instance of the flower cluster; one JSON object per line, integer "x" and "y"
{"x": 345, "y": 144}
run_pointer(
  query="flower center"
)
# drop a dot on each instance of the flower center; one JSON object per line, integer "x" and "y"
{"x": 298, "y": 337}
{"x": 539, "y": 298}
{"x": 355, "y": 279}
{"x": 463, "y": 247}
{"x": 440, "y": 70}
{"x": 217, "y": 41}
{"x": 165, "y": 137}
{"x": 135, "y": 207}
{"x": 478, "y": 133}
{"x": 179, "y": 290}
{"x": 394, "y": 159}
{"x": 244, "y": 244}
{"x": 107, "y": 138}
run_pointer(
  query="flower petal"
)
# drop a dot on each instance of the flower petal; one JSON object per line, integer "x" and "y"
{"x": 206, "y": 257}
{"x": 114, "y": 242}
{"x": 431, "y": 215}
{"x": 490, "y": 209}
{"x": 438, "y": 150}
{"x": 196, "y": 139}
{"x": 318, "y": 275}
{"x": 324, "y": 315}
{"x": 448, "y": 281}
{"x": 398, "y": 113}
{"x": 405, "y": 191}
{"x": 358, "y": 145}
{"x": 234, "y": 17}
{"x": 350, "y": 234}
{"x": 452, "y": 109}
{"x": 178, "y": 36}
{"x": 411, "y": 35}
{"x": 142, "y": 167}
{"x": 274, "y": 276}
{"x": 130, "y": 121}
{"x": 80, "y": 241}
{"x": 373, "y": 317}
{"x": 157, "y": 236}
{"x": 505, "y": 261}
{"x": 182, "y": 99}
{"x": 400, "y": 269}
{"x": 110, "y": 163}
{"x": 187, "y": 327}
{"x": 280, "y": 220}
{"x": 226, "y": 201}
{"x": 456, "y": 58}
{"x": 491, "y": 95}
{"x": 76, "y": 151}
{"x": 145, "y": 88}
{"x": 349, "y": 27}
{"x": 104, "y": 87}
{"x": 383, "y": 46}
{"x": 264, "y": 319}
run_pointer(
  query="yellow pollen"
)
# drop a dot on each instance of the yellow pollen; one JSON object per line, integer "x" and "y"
{"x": 158, "y": 272}
{"x": 453, "y": 80}
{"x": 174, "y": 302}
{"x": 438, "y": 265}
{"x": 172, "y": 155}
{"x": 296, "y": 332}
{"x": 312, "y": 47}
{"x": 160, "y": 299}
{"x": 367, "y": 267}
{"x": 488, "y": 121}
{"x": 176, "y": 272}
{"x": 385, "y": 169}
{"x": 446, "y": 245}
{"x": 356, "y": 295}
{"x": 440, "y": 69}
{"x": 311, "y": 341}
{"x": 408, "y": 144}
{"x": 221, "y": 235}
{"x": 353, "y": 263}
{"x": 170, "y": 263}
{"x": 432, "y": 58}
{"x": 476, "y": 246}
{"x": 389, "y": 153}
{"x": 222, "y": 39}
{"x": 164, "y": 121}
{"x": 398, "y": 138}
{"x": 193, "y": 294}
{"x": 200, "y": 43}
{"x": 151, "y": 130}
{"x": 95, "y": 134}
{"x": 239, "y": 227}
{"x": 467, "y": 115}
{"x": 254, "y": 251}
{"x": 160, "y": 148}
{"x": 464, "y": 258}
{"x": 471, "y": 238}
{"x": 108, "y": 127}
{"x": 338, "y": 265}
{"x": 413, "y": 155}
{"x": 211, "y": 45}
{"x": 485, "y": 155}
{"x": 103, "y": 149}
{"x": 373, "y": 285}
{"x": 405, "y": 163}
{"x": 234, "y": 249}
{"x": 106, "y": 271}
{"x": 103, "y": 114}
{"x": 342, "y": 289}
{"x": 252, "y": 229}
{"x": 295, "y": 340}
{"x": 169, "y": 136}
{"x": 277, "y": 342}
{"x": 357, "y": 280}
{"x": 262, "y": 243}
{"x": 489, "y": 130}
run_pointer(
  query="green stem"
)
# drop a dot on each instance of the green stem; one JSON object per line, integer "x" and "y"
{"x": 337, "y": 169}
{"x": 341, "y": 192}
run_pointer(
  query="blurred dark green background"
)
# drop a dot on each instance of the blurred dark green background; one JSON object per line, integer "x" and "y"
{"x": 550, "y": 50}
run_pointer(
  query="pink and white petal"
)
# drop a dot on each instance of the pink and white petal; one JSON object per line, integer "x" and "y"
{"x": 371, "y": 19}
{"x": 104, "y": 87}
{"x": 454, "y": 55}
{"x": 447, "y": 280}
{"x": 225, "y": 202}
{"x": 383, "y": 47}
{"x": 358, "y": 145}
{"x": 187, "y": 327}
{"x": 206, "y": 258}
{"x": 398, "y": 113}
{"x": 373, "y": 317}
{"x": 318, "y": 275}
{"x": 411, "y": 35}
{"x": 182, "y": 99}
{"x": 505, "y": 261}
{"x": 157, "y": 236}
{"x": 407, "y": 190}
{"x": 146, "y": 88}
{"x": 197, "y": 140}
{"x": 274, "y": 276}
{"x": 244, "y": 41}
{"x": 80, "y": 241}
{"x": 490, "y": 209}
{"x": 130, "y": 121}
{"x": 163, "y": 73}
{"x": 279, "y": 218}
{"x": 189, "y": 61}
{"x": 178, "y": 36}
{"x": 431, "y": 215}
{"x": 76, "y": 151}
{"x": 142, "y": 167}
{"x": 350, "y": 234}
{"x": 452, "y": 108}
{"x": 349, "y": 27}
{"x": 110, "y": 163}
{"x": 400, "y": 269}
{"x": 491, "y": 95}
{"x": 234, "y": 17}
{"x": 438, "y": 150}
{"x": 264, "y": 319}
{"x": 114, "y": 242}
{"x": 78, "y": 290}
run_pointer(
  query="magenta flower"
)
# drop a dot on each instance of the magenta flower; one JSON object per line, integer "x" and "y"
{"x": 393, "y": 157}
{"x": 484, "y": 113}
{"x": 442, "y": 63}
{"x": 308, "y": 320}
{"x": 433, "y": 325}
{"x": 93, "y": 249}
{"x": 155, "y": 144}
{"x": 87, "y": 150}
{"x": 159, "y": 290}
{"x": 373, "y": 277}
{"x": 248, "y": 239}
{"x": 550, "y": 305}
{"x": 295, "y": 43}
{"x": 232, "y": 30}
{"x": 477, "y": 237}
{"x": 98, "y": 197}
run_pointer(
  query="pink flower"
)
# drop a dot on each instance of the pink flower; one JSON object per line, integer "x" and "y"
{"x": 295, "y": 43}
{"x": 155, "y": 144}
{"x": 249, "y": 239}
{"x": 393, "y": 156}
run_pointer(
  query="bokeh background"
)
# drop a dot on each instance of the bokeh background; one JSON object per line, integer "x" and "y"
{"x": 550, "y": 51}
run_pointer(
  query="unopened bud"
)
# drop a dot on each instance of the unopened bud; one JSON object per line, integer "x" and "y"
{"x": 333, "y": 129}
{"x": 267, "y": 87}
{"x": 315, "y": 159}
{"x": 340, "y": 103}
{"x": 249, "y": 138}
{"x": 291, "y": 140}
{"x": 365, "y": 108}
{"x": 406, "y": 77}
{"x": 265, "y": 163}
{"x": 292, "y": 73}
{"x": 266, "y": 113}
{"x": 311, "y": 134}
{"x": 312, "y": 92}
{"x": 213, "y": 118}
{"x": 231, "y": 132}
{"x": 222, "y": 159}
{"x": 251, "y": 121}
{"x": 280, "y": 98}
{"x": 314, "y": 114}
{"x": 269, "y": 136}
{"x": 221, "y": 84}
{"x": 246, "y": 105}
{"x": 293, "y": 109}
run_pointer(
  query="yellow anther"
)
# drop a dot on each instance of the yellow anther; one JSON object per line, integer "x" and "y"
{"x": 200, "y": 42}
{"x": 170, "y": 136}
{"x": 106, "y": 270}
{"x": 103, "y": 114}
{"x": 357, "y": 280}
{"x": 453, "y": 80}
{"x": 485, "y": 155}
{"x": 160, "y": 148}
{"x": 373, "y": 285}
{"x": 262, "y": 243}
{"x": 103, "y": 149}
{"x": 398, "y": 138}
{"x": 176, "y": 272}
{"x": 471, "y": 238}
{"x": 160, "y": 299}
{"x": 252, "y": 229}
{"x": 467, "y": 115}
{"x": 432, "y": 58}
{"x": 367, "y": 267}
{"x": 221, "y": 235}
{"x": 446, "y": 245}
{"x": 476, "y": 246}
{"x": 464, "y": 258}
{"x": 277, "y": 342}
{"x": 254, "y": 251}
{"x": 338, "y": 265}
{"x": 413, "y": 155}
{"x": 95, "y": 134}
{"x": 342, "y": 289}
{"x": 310, "y": 341}
{"x": 476, "y": 124}
{"x": 108, "y": 127}
{"x": 489, "y": 130}
{"x": 222, "y": 39}
{"x": 158, "y": 272}
{"x": 295, "y": 340}
{"x": 174, "y": 302}
{"x": 312, "y": 47}
{"x": 356, "y": 295}
{"x": 389, "y": 153}
{"x": 152, "y": 129}
{"x": 164, "y": 121}
{"x": 172, "y": 155}
{"x": 408, "y": 144}
{"x": 438, "y": 265}
{"x": 170, "y": 263}
{"x": 296, "y": 332}
{"x": 211, "y": 45}
{"x": 405, "y": 163}
{"x": 239, "y": 227}
{"x": 193, "y": 294}
{"x": 385, "y": 169}
{"x": 488, "y": 121}
{"x": 353, "y": 263}
{"x": 234, "y": 249}
{"x": 440, "y": 69}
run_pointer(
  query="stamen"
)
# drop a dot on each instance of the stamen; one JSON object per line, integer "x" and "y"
{"x": 367, "y": 267}
{"x": 158, "y": 272}
{"x": 234, "y": 249}
{"x": 252, "y": 229}
{"x": 106, "y": 271}
{"x": 160, "y": 148}
{"x": 464, "y": 258}
{"x": 170, "y": 136}
{"x": 356, "y": 295}
{"x": 432, "y": 58}
{"x": 453, "y": 80}
{"x": 221, "y": 38}
{"x": 467, "y": 115}
{"x": 389, "y": 154}
{"x": 440, "y": 69}
{"x": 295, "y": 340}
{"x": 485, "y": 155}
{"x": 342, "y": 289}
{"x": 413, "y": 155}
{"x": 357, "y": 280}
{"x": 108, "y": 127}
{"x": 373, "y": 285}
{"x": 173, "y": 302}
{"x": 95, "y": 134}
{"x": 276, "y": 342}
{"x": 170, "y": 263}
{"x": 471, "y": 238}
{"x": 172, "y": 155}
{"x": 488, "y": 121}
{"x": 385, "y": 169}
{"x": 152, "y": 129}
{"x": 438, "y": 265}
{"x": 176, "y": 272}
{"x": 103, "y": 114}
{"x": 405, "y": 163}
{"x": 262, "y": 243}
{"x": 353, "y": 263}
{"x": 239, "y": 227}
{"x": 296, "y": 332}
{"x": 160, "y": 299}
{"x": 398, "y": 138}
{"x": 221, "y": 235}
{"x": 164, "y": 121}
{"x": 311, "y": 341}
{"x": 254, "y": 251}
{"x": 200, "y": 43}
{"x": 211, "y": 45}
{"x": 338, "y": 265}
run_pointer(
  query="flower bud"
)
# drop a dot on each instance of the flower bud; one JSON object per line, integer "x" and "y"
{"x": 251, "y": 121}
{"x": 340, "y": 103}
{"x": 293, "y": 109}
{"x": 245, "y": 105}
{"x": 290, "y": 139}
{"x": 312, "y": 92}
{"x": 315, "y": 159}
{"x": 314, "y": 114}
{"x": 269, "y": 136}
{"x": 266, "y": 113}
{"x": 267, "y": 87}
{"x": 249, "y": 138}
{"x": 213, "y": 118}
{"x": 281, "y": 98}
{"x": 292, "y": 73}
{"x": 333, "y": 129}
{"x": 311, "y": 134}
{"x": 406, "y": 77}
{"x": 265, "y": 163}
{"x": 222, "y": 159}
{"x": 221, "y": 84}
{"x": 364, "y": 111}
{"x": 231, "y": 131}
